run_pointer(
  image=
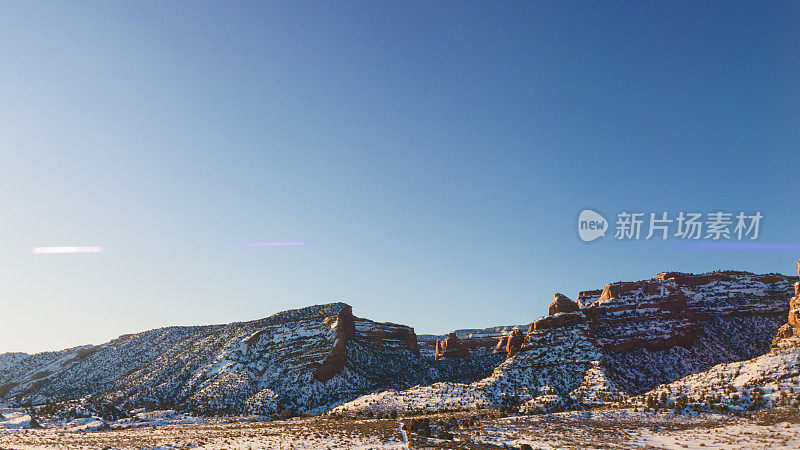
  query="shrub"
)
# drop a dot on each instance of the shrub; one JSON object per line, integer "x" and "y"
{"x": 286, "y": 414}
{"x": 34, "y": 423}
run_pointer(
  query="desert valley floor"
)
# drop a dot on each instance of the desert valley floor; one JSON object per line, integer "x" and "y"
{"x": 603, "y": 428}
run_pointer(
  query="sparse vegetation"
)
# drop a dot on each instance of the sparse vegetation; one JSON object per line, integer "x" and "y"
{"x": 286, "y": 414}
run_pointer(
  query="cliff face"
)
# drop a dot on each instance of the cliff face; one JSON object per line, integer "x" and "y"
{"x": 652, "y": 331}
{"x": 789, "y": 334}
{"x": 672, "y": 309}
{"x": 622, "y": 340}
{"x": 768, "y": 380}
{"x": 656, "y": 331}
{"x": 642, "y": 334}
{"x": 366, "y": 333}
{"x": 385, "y": 335}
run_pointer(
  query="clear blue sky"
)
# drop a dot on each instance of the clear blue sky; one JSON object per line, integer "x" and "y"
{"x": 437, "y": 154}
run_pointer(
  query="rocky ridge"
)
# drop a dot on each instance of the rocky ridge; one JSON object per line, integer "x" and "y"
{"x": 610, "y": 344}
{"x": 618, "y": 342}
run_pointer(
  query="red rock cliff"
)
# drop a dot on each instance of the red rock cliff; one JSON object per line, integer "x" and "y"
{"x": 349, "y": 328}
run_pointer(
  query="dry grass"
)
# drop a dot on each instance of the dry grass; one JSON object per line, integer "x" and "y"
{"x": 482, "y": 429}
{"x": 301, "y": 433}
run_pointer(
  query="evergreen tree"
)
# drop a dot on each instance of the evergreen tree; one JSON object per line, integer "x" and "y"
{"x": 34, "y": 423}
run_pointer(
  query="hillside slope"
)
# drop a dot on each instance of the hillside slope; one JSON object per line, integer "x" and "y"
{"x": 305, "y": 359}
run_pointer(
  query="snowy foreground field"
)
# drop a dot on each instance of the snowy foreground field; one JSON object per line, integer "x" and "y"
{"x": 778, "y": 428}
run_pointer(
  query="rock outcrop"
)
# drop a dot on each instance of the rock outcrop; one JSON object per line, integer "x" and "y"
{"x": 478, "y": 342}
{"x": 452, "y": 347}
{"x": 674, "y": 309}
{"x": 624, "y": 340}
{"x": 470, "y": 356}
{"x": 514, "y": 342}
{"x": 345, "y": 331}
{"x": 561, "y": 304}
{"x": 561, "y": 312}
{"x": 789, "y": 334}
{"x": 385, "y": 335}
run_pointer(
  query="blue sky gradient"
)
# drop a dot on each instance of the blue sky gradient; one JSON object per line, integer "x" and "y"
{"x": 436, "y": 155}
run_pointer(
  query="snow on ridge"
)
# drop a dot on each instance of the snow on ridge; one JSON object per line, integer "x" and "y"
{"x": 255, "y": 366}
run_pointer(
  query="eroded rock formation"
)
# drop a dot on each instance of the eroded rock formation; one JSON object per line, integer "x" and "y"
{"x": 626, "y": 338}
{"x": 561, "y": 312}
{"x": 452, "y": 347}
{"x": 561, "y": 304}
{"x": 478, "y": 342}
{"x": 345, "y": 331}
{"x": 789, "y": 334}
{"x": 514, "y": 342}
{"x": 349, "y": 328}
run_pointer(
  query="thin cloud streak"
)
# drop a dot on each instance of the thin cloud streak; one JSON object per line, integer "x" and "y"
{"x": 63, "y": 250}
{"x": 275, "y": 244}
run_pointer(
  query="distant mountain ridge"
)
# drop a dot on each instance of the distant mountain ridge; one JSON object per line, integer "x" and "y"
{"x": 615, "y": 342}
